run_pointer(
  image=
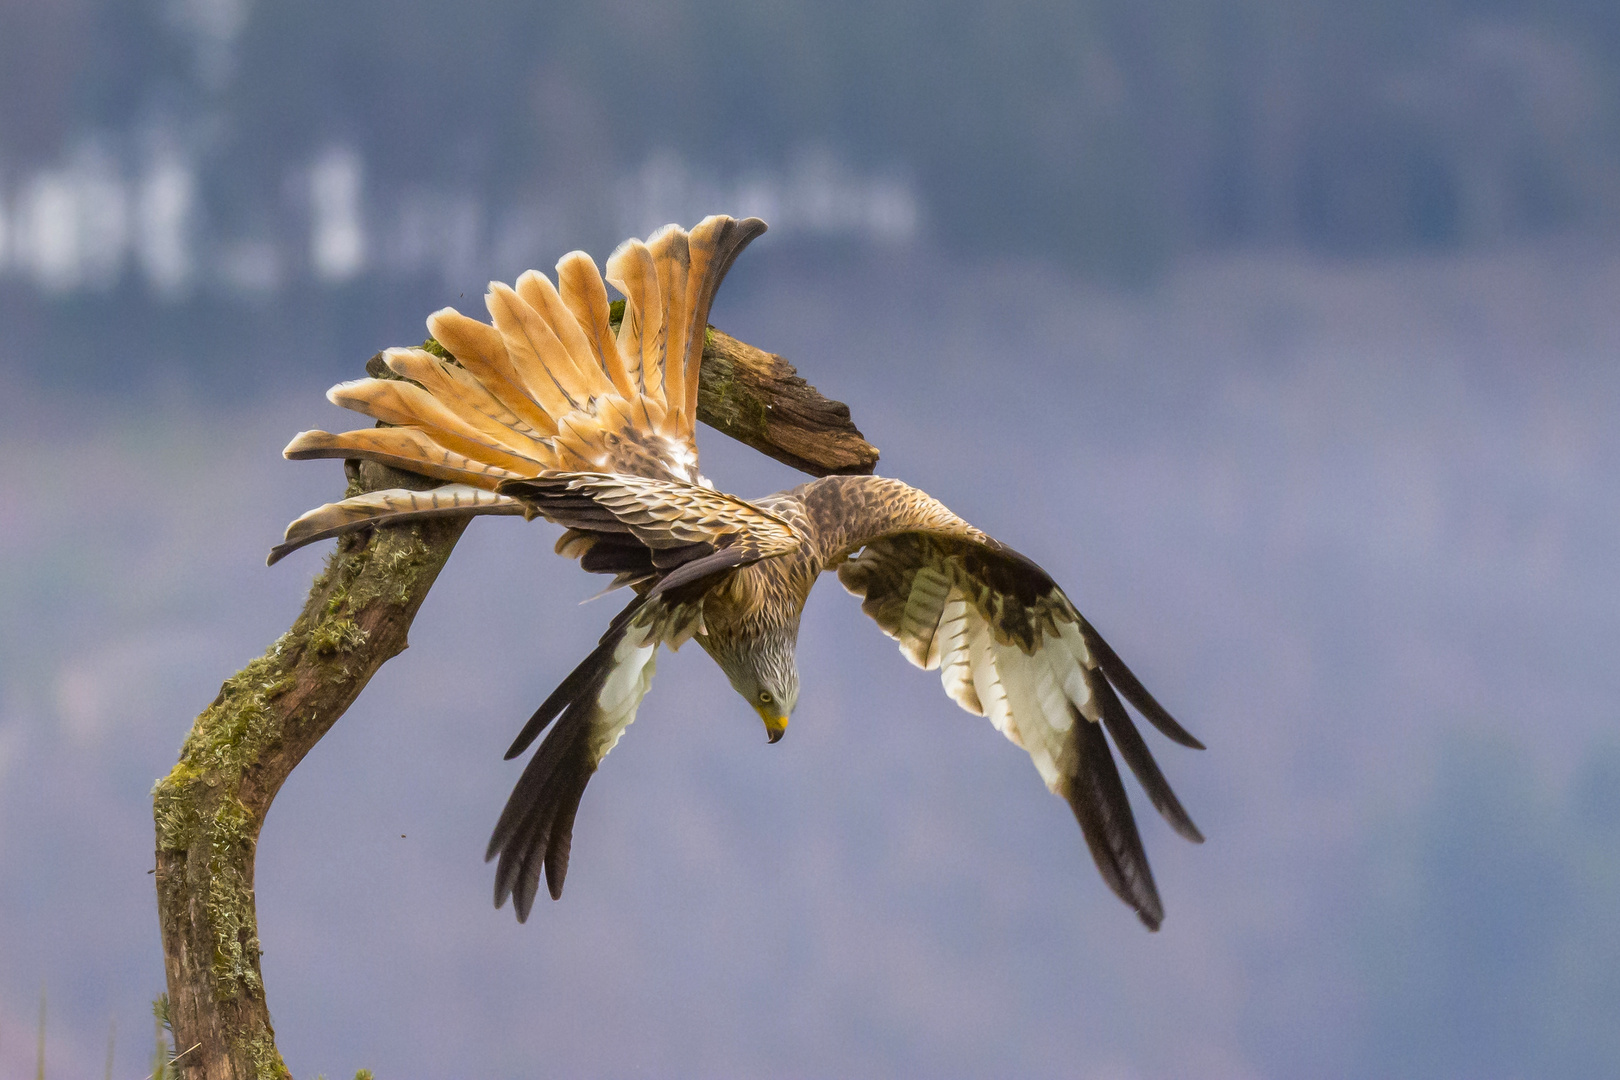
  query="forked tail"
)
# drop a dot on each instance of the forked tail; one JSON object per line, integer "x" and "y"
{"x": 547, "y": 386}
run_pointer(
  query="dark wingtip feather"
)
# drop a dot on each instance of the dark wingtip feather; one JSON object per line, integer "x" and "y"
{"x": 1140, "y": 759}
{"x": 535, "y": 831}
{"x": 562, "y": 835}
{"x": 1097, "y": 796}
{"x": 1137, "y": 694}
{"x": 581, "y": 685}
{"x": 590, "y": 671}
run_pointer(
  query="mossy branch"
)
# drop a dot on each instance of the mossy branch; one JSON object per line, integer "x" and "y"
{"x": 757, "y": 398}
{"x": 268, "y": 716}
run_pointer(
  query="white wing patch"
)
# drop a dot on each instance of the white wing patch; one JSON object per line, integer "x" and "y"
{"x": 1017, "y": 674}
{"x": 1072, "y": 663}
{"x": 950, "y": 653}
{"x": 987, "y": 680}
{"x": 1010, "y": 646}
{"x": 634, "y": 662}
{"x": 1027, "y": 696}
{"x": 920, "y": 621}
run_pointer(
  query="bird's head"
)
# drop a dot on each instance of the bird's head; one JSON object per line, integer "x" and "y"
{"x": 762, "y": 670}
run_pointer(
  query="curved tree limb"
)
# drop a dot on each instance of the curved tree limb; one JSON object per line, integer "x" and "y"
{"x": 269, "y": 715}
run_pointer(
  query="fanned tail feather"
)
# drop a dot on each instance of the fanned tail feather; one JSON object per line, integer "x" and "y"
{"x": 631, "y": 270}
{"x": 712, "y": 246}
{"x": 480, "y": 349}
{"x": 575, "y": 366}
{"x": 536, "y": 353}
{"x": 407, "y": 448}
{"x": 394, "y": 401}
{"x": 669, "y": 284}
{"x": 457, "y": 387}
{"x": 546, "y": 385}
{"x": 580, "y": 286}
{"x": 672, "y": 259}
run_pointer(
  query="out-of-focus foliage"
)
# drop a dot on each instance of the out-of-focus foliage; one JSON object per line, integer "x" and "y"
{"x": 1103, "y": 133}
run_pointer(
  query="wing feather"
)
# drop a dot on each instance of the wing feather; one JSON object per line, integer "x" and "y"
{"x": 1036, "y": 734}
{"x": 1010, "y": 646}
{"x": 987, "y": 679}
{"x": 587, "y": 714}
{"x": 393, "y": 506}
{"x": 1097, "y": 797}
{"x": 1136, "y": 754}
{"x": 1134, "y": 691}
{"x": 1047, "y": 665}
{"x": 592, "y": 708}
{"x": 658, "y": 513}
{"x": 955, "y": 670}
{"x": 919, "y": 622}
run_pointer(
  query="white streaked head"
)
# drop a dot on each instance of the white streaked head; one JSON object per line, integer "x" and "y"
{"x": 762, "y": 670}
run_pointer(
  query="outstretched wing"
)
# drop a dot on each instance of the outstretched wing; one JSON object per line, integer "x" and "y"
{"x": 593, "y": 706}
{"x": 1011, "y": 647}
{"x": 675, "y": 540}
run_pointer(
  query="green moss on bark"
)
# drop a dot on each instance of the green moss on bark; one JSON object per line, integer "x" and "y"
{"x": 725, "y": 404}
{"x": 336, "y": 635}
{"x": 266, "y": 1059}
{"x": 198, "y": 810}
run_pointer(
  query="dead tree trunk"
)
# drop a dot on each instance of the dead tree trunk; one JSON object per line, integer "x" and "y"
{"x": 267, "y": 716}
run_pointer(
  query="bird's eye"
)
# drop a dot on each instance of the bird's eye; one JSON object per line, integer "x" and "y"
{"x": 764, "y": 697}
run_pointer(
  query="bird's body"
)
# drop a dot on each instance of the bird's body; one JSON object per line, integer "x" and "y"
{"x": 762, "y": 602}
{"x": 551, "y": 412}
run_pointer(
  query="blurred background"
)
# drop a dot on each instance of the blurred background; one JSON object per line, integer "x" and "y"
{"x": 1284, "y": 334}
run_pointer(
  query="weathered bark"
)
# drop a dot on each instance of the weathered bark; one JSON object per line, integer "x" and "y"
{"x": 240, "y": 750}
{"x": 210, "y": 807}
{"x": 757, "y": 398}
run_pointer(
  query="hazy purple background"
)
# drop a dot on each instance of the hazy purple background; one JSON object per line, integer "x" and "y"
{"x": 1352, "y": 517}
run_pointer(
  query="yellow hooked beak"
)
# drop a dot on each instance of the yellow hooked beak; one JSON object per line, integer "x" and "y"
{"x": 775, "y": 725}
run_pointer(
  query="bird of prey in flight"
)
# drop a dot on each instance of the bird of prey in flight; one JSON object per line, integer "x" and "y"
{"x": 548, "y": 411}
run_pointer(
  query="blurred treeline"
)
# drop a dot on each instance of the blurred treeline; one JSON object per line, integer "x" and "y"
{"x": 1104, "y": 134}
